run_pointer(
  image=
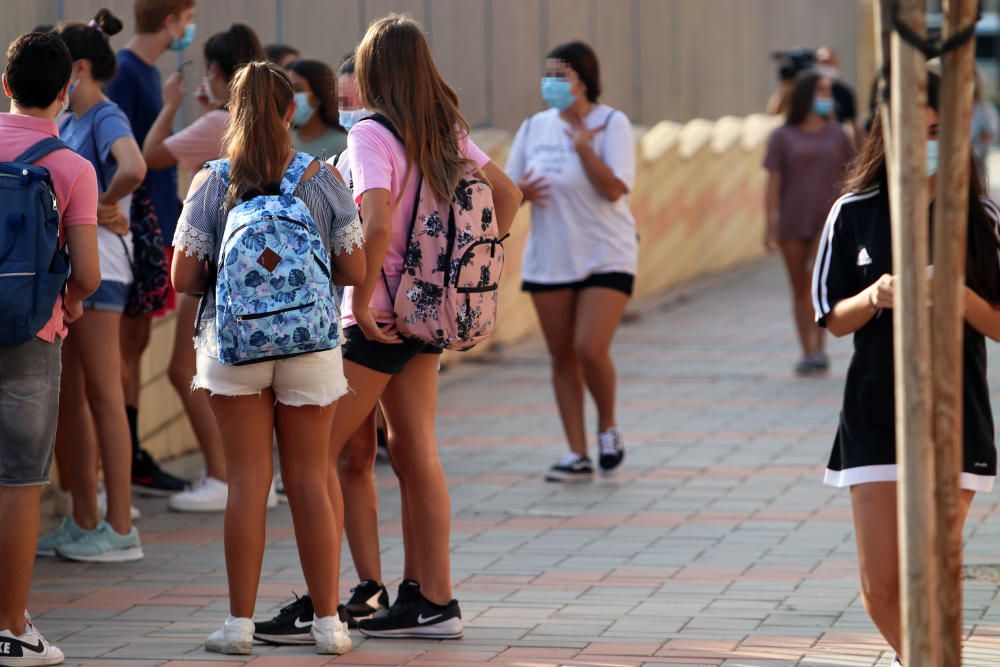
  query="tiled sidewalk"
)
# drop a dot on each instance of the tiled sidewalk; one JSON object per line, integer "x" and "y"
{"x": 716, "y": 545}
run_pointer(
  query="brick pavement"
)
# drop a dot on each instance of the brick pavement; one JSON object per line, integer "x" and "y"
{"x": 716, "y": 545}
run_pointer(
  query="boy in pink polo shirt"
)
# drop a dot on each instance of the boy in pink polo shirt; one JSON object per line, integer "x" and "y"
{"x": 36, "y": 79}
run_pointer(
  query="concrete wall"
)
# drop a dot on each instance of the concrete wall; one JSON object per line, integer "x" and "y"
{"x": 661, "y": 59}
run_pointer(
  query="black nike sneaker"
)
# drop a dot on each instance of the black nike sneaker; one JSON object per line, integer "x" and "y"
{"x": 292, "y": 625}
{"x": 149, "y": 479}
{"x": 29, "y": 649}
{"x": 413, "y": 616}
{"x": 368, "y": 600}
{"x": 571, "y": 468}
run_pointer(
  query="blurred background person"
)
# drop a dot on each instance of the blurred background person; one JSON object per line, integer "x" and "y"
{"x": 316, "y": 126}
{"x": 281, "y": 54}
{"x": 805, "y": 161}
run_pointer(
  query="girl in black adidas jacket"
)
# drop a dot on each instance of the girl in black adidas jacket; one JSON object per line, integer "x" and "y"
{"x": 853, "y": 286}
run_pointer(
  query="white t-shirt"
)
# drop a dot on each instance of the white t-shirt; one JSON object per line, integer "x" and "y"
{"x": 577, "y": 233}
{"x": 115, "y": 252}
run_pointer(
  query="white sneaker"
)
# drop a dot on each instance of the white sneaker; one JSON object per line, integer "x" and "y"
{"x": 235, "y": 637}
{"x": 272, "y": 497}
{"x": 208, "y": 495}
{"x": 896, "y": 662}
{"x": 29, "y": 649}
{"x": 331, "y": 635}
{"x": 102, "y": 505}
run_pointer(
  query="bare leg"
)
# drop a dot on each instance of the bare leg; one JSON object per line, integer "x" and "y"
{"x": 819, "y": 333}
{"x": 134, "y": 341}
{"x": 797, "y": 263}
{"x": 599, "y": 311}
{"x": 19, "y": 506}
{"x": 76, "y": 440}
{"x": 557, "y": 314}
{"x": 196, "y": 405}
{"x": 874, "y": 508}
{"x": 304, "y": 449}
{"x": 247, "y": 427}
{"x": 410, "y": 404}
{"x": 356, "y": 470}
{"x": 96, "y": 335}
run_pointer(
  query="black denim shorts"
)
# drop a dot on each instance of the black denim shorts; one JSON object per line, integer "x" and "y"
{"x": 29, "y": 408}
{"x": 382, "y": 357}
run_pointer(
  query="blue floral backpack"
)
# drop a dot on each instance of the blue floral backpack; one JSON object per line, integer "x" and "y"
{"x": 274, "y": 298}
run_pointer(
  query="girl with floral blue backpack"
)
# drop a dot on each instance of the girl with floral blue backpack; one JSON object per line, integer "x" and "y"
{"x": 263, "y": 236}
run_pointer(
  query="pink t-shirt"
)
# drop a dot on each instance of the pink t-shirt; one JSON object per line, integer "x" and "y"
{"x": 73, "y": 178}
{"x": 199, "y": 142}
{"x": 378, "y": 161}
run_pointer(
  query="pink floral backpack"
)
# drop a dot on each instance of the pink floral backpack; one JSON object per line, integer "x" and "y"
{"x": 448, "y": 293}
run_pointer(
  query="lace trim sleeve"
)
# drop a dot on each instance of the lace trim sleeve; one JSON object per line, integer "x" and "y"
{"x": 346, "y": 239}
{"x": 192, "y": 242}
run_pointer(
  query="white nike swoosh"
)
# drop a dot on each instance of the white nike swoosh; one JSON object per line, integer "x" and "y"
{"x": 299, "y": 624}
{"x": 421, "y": 620}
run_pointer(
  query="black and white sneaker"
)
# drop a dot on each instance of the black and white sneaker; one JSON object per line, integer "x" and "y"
{"x": 571, "y": 468}
{"x": 29, "y": 649}
{"x": 149, "y": 479}
{"x": 612, "y": 448}
{"x": 412, "y": 616}
{"x": 369, "y": 599}
{"x": 292, "y": 625}
{"x": 896, "y": 662}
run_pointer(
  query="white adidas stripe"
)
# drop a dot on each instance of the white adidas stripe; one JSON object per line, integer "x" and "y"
{"x": 821, "y": 270}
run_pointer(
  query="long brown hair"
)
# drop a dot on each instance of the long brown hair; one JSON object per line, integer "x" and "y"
{"x": 868, "y": 170}
{"x": 257, "y": 141}
{"x": 397, "y": 78}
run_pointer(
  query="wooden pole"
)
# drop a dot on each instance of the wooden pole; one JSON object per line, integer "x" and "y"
{"x": 912, "y": 346}
{"x": 947, "y": 328}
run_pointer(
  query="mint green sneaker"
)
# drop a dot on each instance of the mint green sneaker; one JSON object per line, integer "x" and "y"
{"x": 103, "y": 545}
{"x": 67, "y": 531}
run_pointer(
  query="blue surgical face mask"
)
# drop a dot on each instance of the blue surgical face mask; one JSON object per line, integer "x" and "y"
{"x": 69, "y": 94}
{"x": 350, "y": 117}
{"x": 823, "y": 106}
{"x": 557, "y": 92}
{"x": 303, "y": 112}
{"x": 184, "y": 40}
{"x": 932, "y": 157}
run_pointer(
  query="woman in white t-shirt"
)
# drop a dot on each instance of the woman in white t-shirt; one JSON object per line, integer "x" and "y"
{"x": 575, "y": 162}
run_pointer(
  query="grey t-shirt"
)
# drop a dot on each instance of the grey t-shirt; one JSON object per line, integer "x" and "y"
{"x": 203, "y": 221}
{"x": 811, "y": 166}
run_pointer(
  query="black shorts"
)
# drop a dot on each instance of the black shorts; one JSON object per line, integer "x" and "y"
{"x": 382, "y": 357}
{"x": 616, "y": 280}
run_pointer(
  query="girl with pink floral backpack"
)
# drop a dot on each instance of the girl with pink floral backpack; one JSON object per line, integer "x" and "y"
{"x": 416, "y": 156}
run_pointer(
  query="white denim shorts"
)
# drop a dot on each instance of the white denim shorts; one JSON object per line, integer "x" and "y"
{"x": 316, "y": 378}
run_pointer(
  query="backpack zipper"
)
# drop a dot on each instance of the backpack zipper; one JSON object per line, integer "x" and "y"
{"x": 258, "y": 316}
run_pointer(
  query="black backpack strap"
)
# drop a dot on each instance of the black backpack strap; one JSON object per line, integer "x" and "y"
{"x": 387, "y": 124}
{"x": 39, "y": 150}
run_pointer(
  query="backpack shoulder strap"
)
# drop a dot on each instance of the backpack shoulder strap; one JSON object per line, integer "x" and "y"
{"x": 296, "y": 170}
{"x": 39, "y": 150}
{"x": 387, "y": 124}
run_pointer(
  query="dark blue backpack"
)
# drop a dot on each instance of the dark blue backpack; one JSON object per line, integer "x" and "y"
{"x": 33, "y": 268}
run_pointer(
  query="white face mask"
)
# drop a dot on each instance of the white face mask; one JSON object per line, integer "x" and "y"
{"x": 206, "y": 83}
